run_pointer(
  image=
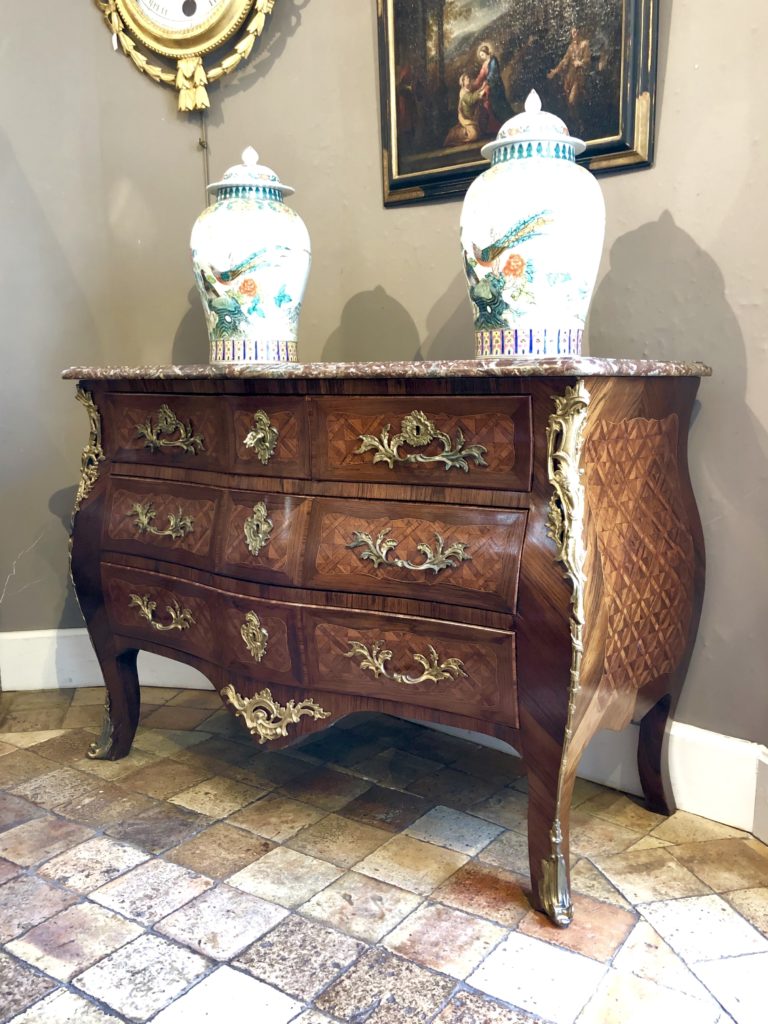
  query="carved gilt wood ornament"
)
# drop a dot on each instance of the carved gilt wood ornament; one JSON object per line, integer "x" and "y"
{"x": 267, "y": 719}
{"x": 565, "y": 525}
{"x": 185, "y": 32}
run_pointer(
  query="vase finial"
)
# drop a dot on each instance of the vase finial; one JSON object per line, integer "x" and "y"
{"x": 250, "y": 157}
{"x": 533, "y": 102}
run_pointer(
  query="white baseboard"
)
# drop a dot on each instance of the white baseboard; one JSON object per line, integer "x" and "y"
{"x": 715, "y": 776}
{"x": 45, "y": 659}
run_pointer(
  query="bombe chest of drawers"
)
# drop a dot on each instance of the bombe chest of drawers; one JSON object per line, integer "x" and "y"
{"x": 508, "y": 547}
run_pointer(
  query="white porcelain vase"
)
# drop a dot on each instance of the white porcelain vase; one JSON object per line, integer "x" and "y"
{"x": 532, "y": 229}
{"x": 251, "y": 256}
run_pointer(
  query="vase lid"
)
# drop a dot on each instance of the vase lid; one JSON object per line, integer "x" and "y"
{"x": 251, "y": 173}
{"x": 533, "y": 125}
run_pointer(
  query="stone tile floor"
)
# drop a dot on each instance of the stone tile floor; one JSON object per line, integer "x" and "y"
{"x": 375, "y": 874}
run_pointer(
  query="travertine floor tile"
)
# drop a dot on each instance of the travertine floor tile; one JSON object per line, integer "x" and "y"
{"x": 69, "y": 748}
{"x": 112, "y": 771}
{"x": 470, "y": 1008}
{"x": 30, "y": 739}
{"x": 494, "y": 765}
{"x": 105, "y": 805}
{"x": 85, "y": 716}
{"x": 726, "y": 864}
{"x": 703, "y": 928}
{"x": 622, "y": 810}
{"x": 41, "y": 839}
{"x": 648, "y": 956}
{"x": 300, "y": 956}
{"x": 386, "y": 808}
{"x": 89, "y": 695}
{"x": 592, "y": 836}
{"x": 219, "y": 851}
{"x": 752, "y": 904}
{"x": 438, "y": 746}
{"x": 56, "y": 787}
{"x": 244, "y": 998}
{"x": 313, "y": 1017}
{"x": 274, "y": 769}
{"x": 8, "y": 870}
{"x": 285, "y": 877}
{"x": 444, "y": 939}
{"x": 509, "y": 851}
{"x": 486, "y": 891}
{"x": 590, "y": 881}
{"x": 739, "y": 984}
{"x": 159, "y": 828}
{"x": 92, "y": 864}
{"x": 325, "y": 788}
{"x": 597, "y": 930}
{"x": 221, "y": 922}
{"x": 23, "y": 765}
{"x": 338, "y": 840}
{"x": 19, "y": 986}
{"x": 647, "y": 843}
{"x": 361, "y": 906}
{"x": 400, "y": 991}
{"x": 626, "y": 999}
{"x": 151, "y": 891}
{"x": 453, "y": 789}
{"x": 26, "y": 901}
{"x": 507, "y": 807}
{"x": 71, "y": 941}
{"x": 276, "y": 817}
{"x": 217, "y": 797}
{"x": 163, "y": 778}
{"x": 682, "y": 827}
{"x": 411, "y": 864}
{"x": 649, "y": 875}
{"x": 197, "y": 699}
{"x": 176, "y": 716}
{"x": 396, "y": 768}
{"x": 541, "y": 978}
{"x": 15, "y": 811}
{"x": 32, "y": 719}
{"x": 63, "y": 1007}
{"x": 159, "y": 694}
{"x": 455, "y": 830}
{"x": 142, "y": 977}
{"x": 167, "y": 742}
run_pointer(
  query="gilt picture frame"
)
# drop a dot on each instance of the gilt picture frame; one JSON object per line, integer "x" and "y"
{"x": 452, "y": 71}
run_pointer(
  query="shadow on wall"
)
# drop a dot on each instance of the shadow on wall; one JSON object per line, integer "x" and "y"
{"x": 190, "y": 343}
{"x": 450, "y": 331}
{"x": 373, "y": 327}
{"x": 61, "y": 505}
{"x": 280, "y": 26}
{"x": 664, "y": 298}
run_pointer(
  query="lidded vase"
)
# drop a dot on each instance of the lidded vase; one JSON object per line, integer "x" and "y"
{"x": 532, "y": 229}
{"x": 251, "y": 256}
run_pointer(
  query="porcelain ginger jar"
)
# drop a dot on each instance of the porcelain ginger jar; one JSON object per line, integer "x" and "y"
{"x": 532, "y": 229}
{"x": 251, "y": 255}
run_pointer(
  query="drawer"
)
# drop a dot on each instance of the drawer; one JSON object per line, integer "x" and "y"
{"x": 166, "y": 430}
{"x": 263, "y": 536}
{"x": 156, "y": 607}
{"x": 170, "y": 521}
{"x": 457, "y": 555}
{"x": 260, "y": 637}
{"x": 464, "y": 670}
{"x": 270, "y": 436}
{"x": 462, "y": 441}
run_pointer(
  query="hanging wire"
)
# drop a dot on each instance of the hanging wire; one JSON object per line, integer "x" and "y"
{"x": 202, "y": 143}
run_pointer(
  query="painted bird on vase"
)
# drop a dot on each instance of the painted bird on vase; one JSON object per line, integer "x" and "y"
{"x": 521, "y": 232}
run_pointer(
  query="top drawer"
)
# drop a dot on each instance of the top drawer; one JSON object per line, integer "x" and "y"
{"x": 461, "y": 441}
{"x": 260, "y": 435}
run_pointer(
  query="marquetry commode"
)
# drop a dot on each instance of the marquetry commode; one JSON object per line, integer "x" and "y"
{"x": 505, "y": 546}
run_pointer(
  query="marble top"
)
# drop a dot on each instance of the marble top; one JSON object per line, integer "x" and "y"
{"x": 568, "y": 366}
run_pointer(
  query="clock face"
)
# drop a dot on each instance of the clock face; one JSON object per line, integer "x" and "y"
{"x": 178, "y": 15}
{"x": 183, "y": 28}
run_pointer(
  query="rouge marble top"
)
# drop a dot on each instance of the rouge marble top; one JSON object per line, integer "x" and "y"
{"x": 568, "y": 366}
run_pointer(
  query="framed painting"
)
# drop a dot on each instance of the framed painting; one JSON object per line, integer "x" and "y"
{"x": 452, "y": 71}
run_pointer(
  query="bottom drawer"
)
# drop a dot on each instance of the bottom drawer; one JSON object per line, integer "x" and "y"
{"x": 465, "y": 670}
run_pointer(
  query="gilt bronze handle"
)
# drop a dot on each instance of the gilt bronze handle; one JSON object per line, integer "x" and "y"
{"x": 433, "y": 670}
{"x": 181, "y": 618}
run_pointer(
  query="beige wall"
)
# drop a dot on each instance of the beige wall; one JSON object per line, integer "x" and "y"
{"x": 102, "y": 180}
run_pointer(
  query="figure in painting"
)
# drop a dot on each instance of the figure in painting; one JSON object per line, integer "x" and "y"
{"x": 495, "y": 108}
{"x": 468, "y": 128}
{"x": 573, "y": 67}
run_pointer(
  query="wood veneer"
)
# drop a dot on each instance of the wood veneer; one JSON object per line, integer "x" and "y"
{"x": 505, "y": 614}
